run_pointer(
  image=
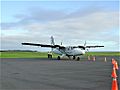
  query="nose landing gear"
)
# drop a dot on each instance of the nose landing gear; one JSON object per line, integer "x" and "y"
{"x": 73, "y": 57}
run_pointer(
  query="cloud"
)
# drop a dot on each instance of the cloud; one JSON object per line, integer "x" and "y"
{"x": 73, "y": 28}
{"x": 37, "y": 14}
{"x": 5, "y": 26}
{"x": 97, "y": 23}
{"x": 34, "y": 15}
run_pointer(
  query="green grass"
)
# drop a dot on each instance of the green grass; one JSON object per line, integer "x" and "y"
{"x": 24, "y": 55}
{"x": 103, "y": 53}
{"x": 44, "y": 54}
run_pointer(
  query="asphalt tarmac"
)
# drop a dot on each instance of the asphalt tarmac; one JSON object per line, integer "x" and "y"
{"x": 45, "y": 74}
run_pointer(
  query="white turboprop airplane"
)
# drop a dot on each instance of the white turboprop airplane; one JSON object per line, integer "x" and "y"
{"x": 74, "y": 51}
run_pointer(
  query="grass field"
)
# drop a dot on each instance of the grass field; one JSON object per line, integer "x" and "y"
{"x": 24, "y": 55}
{"x": 44, "y": 54}
{"x": 103, "y": 53}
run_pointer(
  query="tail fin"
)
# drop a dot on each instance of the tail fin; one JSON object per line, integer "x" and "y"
{"x": 52, "y": 41}
{"x": 85, "y": 44}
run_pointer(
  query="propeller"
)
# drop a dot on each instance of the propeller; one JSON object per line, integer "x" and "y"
{"x": 87, "y": 50}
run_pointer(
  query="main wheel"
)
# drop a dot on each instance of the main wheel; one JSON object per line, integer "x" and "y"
{"x": 78, "y": 58}
{"x": 58, "y": 57}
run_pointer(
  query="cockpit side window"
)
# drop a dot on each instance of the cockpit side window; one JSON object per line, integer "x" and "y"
{"x": 82, "y": 49}
{"x": 69, "y": 48}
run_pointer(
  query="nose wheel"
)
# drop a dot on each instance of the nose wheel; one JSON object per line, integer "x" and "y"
{"x": 73, "y": 57}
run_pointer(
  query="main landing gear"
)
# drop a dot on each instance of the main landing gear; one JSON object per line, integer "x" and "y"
{"x": 77, "y": 58}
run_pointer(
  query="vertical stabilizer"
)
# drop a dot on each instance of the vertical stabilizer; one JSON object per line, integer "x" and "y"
{"x": 85, "y": 44}
{"x": 52, "y": 41}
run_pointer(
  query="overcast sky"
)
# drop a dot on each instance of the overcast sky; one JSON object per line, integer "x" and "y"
{"x": 70, "y": 22}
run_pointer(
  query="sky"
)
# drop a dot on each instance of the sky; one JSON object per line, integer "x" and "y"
{"x": 70, "y": 22}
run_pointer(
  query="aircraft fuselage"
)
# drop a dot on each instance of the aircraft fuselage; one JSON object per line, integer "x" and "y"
{"x": 69, "y": 51}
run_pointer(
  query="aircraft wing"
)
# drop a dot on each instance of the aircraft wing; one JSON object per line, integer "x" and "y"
{"x": 93, "y": 46}
{"x": 43, "y": 45}
{"x": 79, "y": 47}
{"x": 83, "y": 47}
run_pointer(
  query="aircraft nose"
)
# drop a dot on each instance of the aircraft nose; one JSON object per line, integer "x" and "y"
{"x": 83, "y": 52}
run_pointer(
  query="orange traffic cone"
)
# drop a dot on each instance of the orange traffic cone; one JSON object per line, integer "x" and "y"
{"x": 93, "y": 58}
{"x": 114, "y": 75}
{"x": 88, "y": 57}
{"x": 105, "y": 59}
{"x": 113, "y": 61}
{"x": 116, "y": 65}
{"x": 114, "y": 84}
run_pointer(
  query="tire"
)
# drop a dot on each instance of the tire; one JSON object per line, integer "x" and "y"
{"x": 78, "y": 58}
{"x": 58, "y": 57}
